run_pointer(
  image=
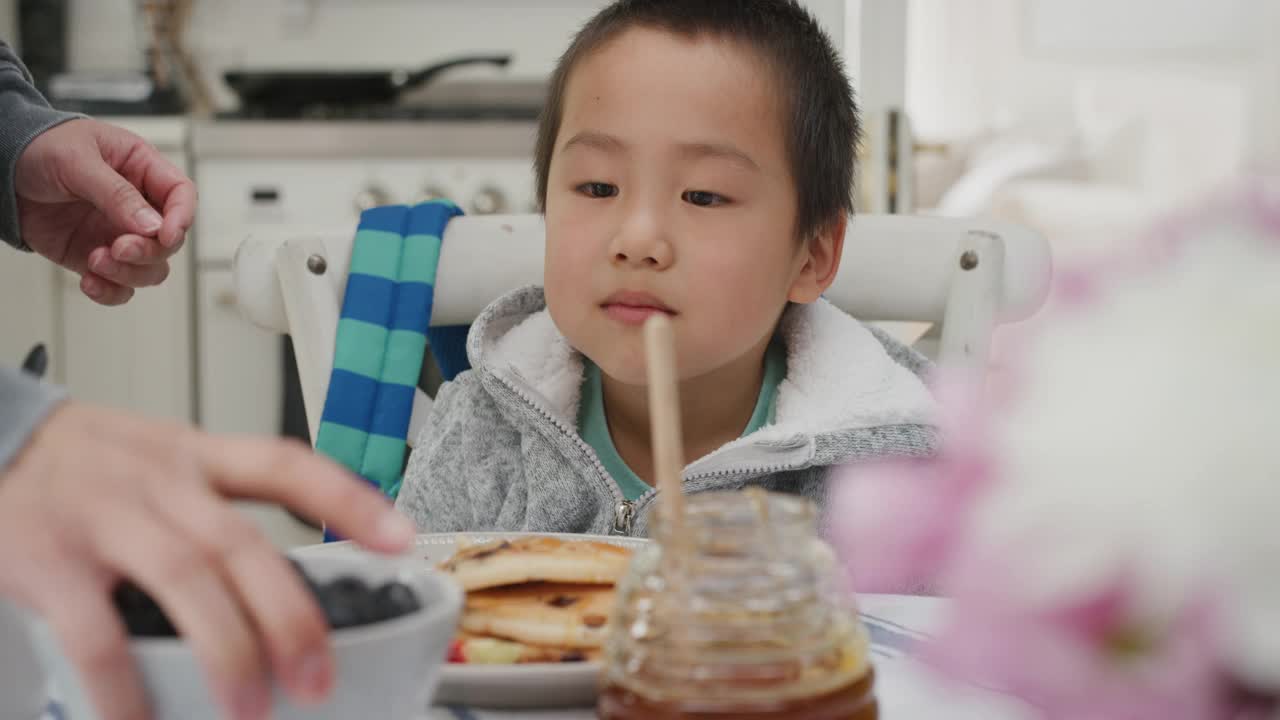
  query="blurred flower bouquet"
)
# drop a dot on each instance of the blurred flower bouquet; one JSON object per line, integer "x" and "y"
{"x": 1107, "y": 520}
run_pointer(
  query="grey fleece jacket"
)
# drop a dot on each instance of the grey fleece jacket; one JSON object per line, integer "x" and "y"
{"x": 24, "y": 114}
{"x": 500, "y": 448}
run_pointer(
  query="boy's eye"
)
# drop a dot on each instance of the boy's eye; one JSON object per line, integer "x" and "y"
{"x": 598, "y": 189}
{"x": 703, "y": 198}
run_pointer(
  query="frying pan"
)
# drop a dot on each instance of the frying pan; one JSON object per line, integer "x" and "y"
{"x": 286, "y": 93}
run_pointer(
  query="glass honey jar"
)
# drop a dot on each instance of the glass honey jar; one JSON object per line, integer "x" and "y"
{"x": 739, "y": 610}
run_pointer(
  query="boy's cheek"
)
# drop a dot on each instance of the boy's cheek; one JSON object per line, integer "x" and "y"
{"x": 573, "y": 247}
{"x": 565, "y": 263}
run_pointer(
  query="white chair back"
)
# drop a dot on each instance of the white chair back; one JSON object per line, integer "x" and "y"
{"x": 965, "y": 275}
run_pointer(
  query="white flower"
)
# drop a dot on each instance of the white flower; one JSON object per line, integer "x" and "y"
{"x": 1144, "y": 437}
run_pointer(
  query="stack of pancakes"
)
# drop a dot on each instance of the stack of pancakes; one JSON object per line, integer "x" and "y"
{"x": 535, "y": 599}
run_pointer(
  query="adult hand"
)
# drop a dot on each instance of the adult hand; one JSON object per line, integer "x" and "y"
{"x": 101, "y": 202}
{"x": 97, "y": 497}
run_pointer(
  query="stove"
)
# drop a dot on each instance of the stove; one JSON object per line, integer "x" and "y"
{"x": 509, "y": 101}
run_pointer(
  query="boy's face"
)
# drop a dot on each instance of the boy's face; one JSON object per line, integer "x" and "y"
{"x": 670, "y": 191}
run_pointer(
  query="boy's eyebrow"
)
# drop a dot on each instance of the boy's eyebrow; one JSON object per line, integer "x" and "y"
{"x": 597, "y": 140}
{"x": 610, "y": 144}
{"x": 720, "y": 151}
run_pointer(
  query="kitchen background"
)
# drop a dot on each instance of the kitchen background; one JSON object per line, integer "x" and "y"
{"x": 1081, "y": 118}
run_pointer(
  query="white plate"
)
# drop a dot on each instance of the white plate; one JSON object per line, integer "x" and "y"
{"x": 531, "y": 685}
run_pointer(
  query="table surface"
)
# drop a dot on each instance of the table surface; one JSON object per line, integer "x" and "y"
{"x": 904, "y": 689}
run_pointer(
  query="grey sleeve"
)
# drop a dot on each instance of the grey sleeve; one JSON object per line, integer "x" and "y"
{"x": 460, "y": 473}
{"x": 24, "y": 114}
{"x": 24, "y": 404}
{"x": 425, "y": 496}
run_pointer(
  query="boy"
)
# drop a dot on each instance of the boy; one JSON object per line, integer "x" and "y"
{"x": 695, "y": 159}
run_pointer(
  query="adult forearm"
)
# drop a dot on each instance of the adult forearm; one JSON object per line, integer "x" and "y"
{"x": 24, "y": 114}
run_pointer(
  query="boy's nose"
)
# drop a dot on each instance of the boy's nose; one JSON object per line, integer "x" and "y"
{"x": 642, "y": 247}
{"x": 654, "y": 260}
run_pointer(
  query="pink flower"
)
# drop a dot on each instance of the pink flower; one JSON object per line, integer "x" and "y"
{"x": 899, "y": 519}
{"x": 1097, "y": 565}
{"x": 1094, "y": 655}
{"x": 1263, "y": 200}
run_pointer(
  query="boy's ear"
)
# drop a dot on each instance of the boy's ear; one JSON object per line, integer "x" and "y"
{"x": 822, "y": 260}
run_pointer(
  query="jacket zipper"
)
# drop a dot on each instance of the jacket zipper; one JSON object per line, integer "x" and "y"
{"x": 625, "y": 511}
{"x": 622, "y": 507}
{"x": 624, "y": 518}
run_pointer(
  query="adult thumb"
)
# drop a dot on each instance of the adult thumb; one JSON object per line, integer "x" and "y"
{"x": 94, "y": 180}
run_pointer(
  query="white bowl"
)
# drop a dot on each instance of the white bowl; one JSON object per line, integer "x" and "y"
{"x": 387, "y": 670}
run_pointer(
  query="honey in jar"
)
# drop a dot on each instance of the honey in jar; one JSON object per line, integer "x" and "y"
{"x": 740, "y": 613}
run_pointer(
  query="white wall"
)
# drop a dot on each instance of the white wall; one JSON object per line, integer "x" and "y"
{"x": 974, "y": 62}
{"x": 1197, "y": 84}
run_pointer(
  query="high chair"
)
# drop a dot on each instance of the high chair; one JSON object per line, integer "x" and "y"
{"x": 963, "y": 276}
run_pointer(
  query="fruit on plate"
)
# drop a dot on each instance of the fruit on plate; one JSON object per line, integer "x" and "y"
{"x": 484, "y": 650}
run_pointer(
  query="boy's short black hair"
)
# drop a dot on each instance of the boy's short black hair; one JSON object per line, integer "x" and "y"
{"x": 820, "y": 115}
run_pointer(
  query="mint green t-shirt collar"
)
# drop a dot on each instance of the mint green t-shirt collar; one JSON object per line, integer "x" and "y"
{"x": 593, "y": 424}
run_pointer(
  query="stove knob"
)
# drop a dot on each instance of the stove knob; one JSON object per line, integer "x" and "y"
{"x": 371, "y": 197}
{"x": 488, "y": 200}
{"x": 432, "y": 192}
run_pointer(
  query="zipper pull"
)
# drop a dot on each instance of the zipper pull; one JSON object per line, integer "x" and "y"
{"x": 624, "y": 515}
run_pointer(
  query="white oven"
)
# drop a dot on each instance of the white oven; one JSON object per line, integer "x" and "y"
{"x": 280, "y": 179}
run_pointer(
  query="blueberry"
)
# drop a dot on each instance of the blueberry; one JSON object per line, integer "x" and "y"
{"x": 345, "y": 601}
{"x": 348, "y": 602}
{"x": 395, "y": 599}
{"x": 140, "y": 613}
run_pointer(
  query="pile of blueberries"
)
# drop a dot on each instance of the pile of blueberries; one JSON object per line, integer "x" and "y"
{"x": 346, "y": 602}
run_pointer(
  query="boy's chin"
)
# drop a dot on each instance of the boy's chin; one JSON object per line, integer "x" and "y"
{"x": 622, "y": 371}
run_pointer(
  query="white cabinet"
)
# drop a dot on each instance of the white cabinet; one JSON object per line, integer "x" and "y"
{"x": 241, "y": 375}
{"x": 136, "y": 357}
{"x": 139, "y": 356}
{"x": 28, "y": 312}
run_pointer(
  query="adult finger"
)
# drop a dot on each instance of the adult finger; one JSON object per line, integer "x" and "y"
{"x": 179, "y": 210}
{"x": 270, "y": 591}
{"x": 287, "y": 473}
{"x": 94, "y": 639}
{"x": 163, "y": 184}
{"x": 138, "y": 250}
{"x": 194, "y": 595}
{"x": 124, "y": 273}
{"x": 104, "y": 291}
{"x": 91, "y": 178}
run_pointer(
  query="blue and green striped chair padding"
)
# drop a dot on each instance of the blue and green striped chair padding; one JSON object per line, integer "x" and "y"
{"x": 381, "y": 339}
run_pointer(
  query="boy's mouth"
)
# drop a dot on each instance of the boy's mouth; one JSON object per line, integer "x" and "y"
{"x": 634, "y": 308}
